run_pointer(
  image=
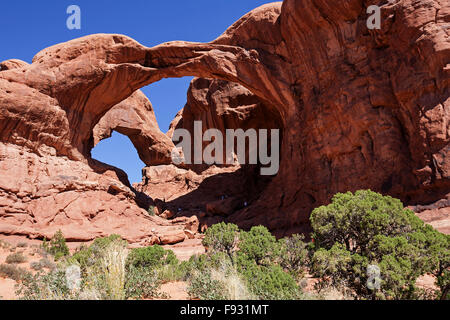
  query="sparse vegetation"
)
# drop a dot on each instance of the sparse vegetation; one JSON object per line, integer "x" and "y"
{"x": 57, "y": 246}
{"x": 151, "y": 257}
{"x": 142, "y": 283}
{"x": 16, "y": 258}
{"x": 256, "y": 254}
{"x": 151, "y": 211}
{"x": 367, "y": 229}
{"x": 50, "y": 286}
{"x": 351, "y": 235}
{"x": 12, "y": 272}
{"x": 203, "y": 286}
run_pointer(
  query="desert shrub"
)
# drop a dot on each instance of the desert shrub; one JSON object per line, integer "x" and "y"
{"x": 195, "y": 263}
{"x": 367, "y": 229}
{"x": 163, "y": 262}
{"x": 43, "y": 263}
{"x": 236, "y": 288}
{"x": 331, "y": 267}
{"x": 57, "y": 246}
{"x": 16, "y": 258}
{"x": 42, "y": 286}
{"x": 203, "y": 263}
{"x": 100, "y": 244}
{"x": 214, "y": 277}
{"x": 104, "y": 279}
{"x": 107, "y": 275}
{"x": 437, "y": 246}
{"x": 151, "y": 257}
{"x": 259, "y": 245}
{"x": 271, "y": 283}
{"x": 48, "y": 264}
{"x": 222, "y": 237}
{"x": 170, "y": 272}
{"x": 244, "y": 265}
{"x": 202, "y": 286}
{"x": 12, "y": 272}
{"x": 142, "y": 283}
{"x": 22, "y": 245}
{"x": 36, "y": 266}
{"x": 218, "y": 280}
{"x": 113, "y": 267}
{"x": 294, "y": 255}
{"x": 86, "y": 256}
{"x": 40, "y": 250}
{"x": 151, "y": 211}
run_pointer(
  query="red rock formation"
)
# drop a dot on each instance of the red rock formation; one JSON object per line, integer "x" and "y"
{"x": 358, "y": 108}
{"x": 223, "y": 105}
{"x": 135, "y": 118}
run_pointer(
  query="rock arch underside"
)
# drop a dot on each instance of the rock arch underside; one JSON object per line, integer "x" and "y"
{"x": 358, "y": 109}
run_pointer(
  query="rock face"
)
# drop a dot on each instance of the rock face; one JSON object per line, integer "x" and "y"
{"x": 135, "y": 118}
{"x": 223, "y": 105}
{"x": 357, "y": 108}
{"x": 42, "y": 192}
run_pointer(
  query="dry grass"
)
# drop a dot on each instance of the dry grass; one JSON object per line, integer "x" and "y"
{"x": 12, "y": 272}
{"x": 113, "y": 269}
{"x": 235, "y": 287}
{"x": 16, "y": 258}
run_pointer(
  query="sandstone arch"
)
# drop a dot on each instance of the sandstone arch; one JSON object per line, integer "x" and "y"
{"x": 360, "y": 109}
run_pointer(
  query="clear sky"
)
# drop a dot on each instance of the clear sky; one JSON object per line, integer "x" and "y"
{"x": 26, "y": 27}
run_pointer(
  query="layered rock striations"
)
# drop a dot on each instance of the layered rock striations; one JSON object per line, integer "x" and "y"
{"x": 358, "y": 109}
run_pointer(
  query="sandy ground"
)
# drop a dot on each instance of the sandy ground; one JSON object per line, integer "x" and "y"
{"x": 30, "y": 249}
{"x": 7, "y": 289}
{"x": 175, "y": 290}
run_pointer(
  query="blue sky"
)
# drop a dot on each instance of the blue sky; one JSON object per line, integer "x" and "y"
{"x": 26, "y": 27}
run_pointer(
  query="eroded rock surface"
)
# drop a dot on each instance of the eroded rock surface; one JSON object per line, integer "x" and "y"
{"x": 135, "y": 118}
{"x": 358, "y": 109}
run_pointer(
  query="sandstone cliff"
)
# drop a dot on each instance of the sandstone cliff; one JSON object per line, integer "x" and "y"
{"x": 357, "y": 108}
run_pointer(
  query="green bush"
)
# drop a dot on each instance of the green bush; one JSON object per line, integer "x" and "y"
{"x": 151, "y": 211}
{"x": 88, "y": 256}
{"x": 57, "y": 246}
{"x": 272, "y": 283}
{"x": 151, "y": 257}
{"x": 222, "y": 237}
{"x": 259, "y": 245}
{"x": 366, "y": 228}
{"x": 100, "y": 244}
{"x": 142, "y": 283}
{"x": 294, "y": 255}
